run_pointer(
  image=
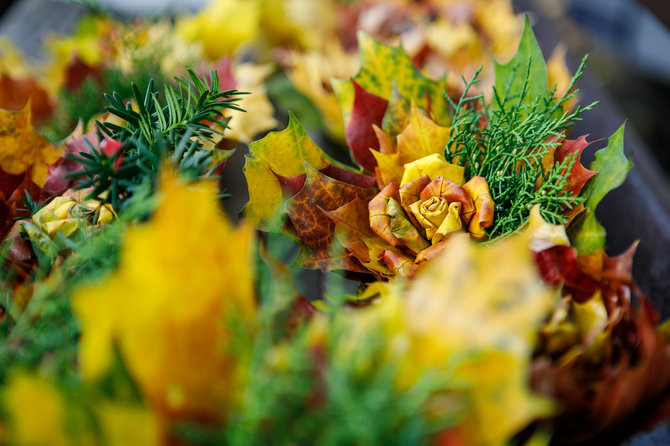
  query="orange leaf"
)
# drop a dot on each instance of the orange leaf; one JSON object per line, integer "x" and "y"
{"x": 22, "y": 148}
{"x": 478, "y": 190}
{"x": 579, "y": 174}
{"x": 352, "y": 230}
{"x": 320, "y": 192}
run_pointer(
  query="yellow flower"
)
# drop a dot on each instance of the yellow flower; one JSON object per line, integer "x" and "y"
{"x": 55, "y": 217}
{"x": 64, "y": 214}
{"x": 180, "y": 307}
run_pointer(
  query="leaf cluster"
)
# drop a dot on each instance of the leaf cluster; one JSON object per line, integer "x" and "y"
{"x": 505, "y": 141}
{"x": 176, "y": 129}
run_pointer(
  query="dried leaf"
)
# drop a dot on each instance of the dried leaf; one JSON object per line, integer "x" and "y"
{"x": 284, "y": 153}
{"x": 578, "y": 174}
{"x": 320, "y": 193}
{"x": 352, "y": 230}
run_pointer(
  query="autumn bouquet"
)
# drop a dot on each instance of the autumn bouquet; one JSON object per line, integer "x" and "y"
{"x": 465, "y": 296}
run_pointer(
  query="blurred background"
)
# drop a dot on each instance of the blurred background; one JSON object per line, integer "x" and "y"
{"x": 628, "y": 42}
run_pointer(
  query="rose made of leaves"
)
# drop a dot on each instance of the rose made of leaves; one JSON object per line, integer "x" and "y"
{"x": 419, "y": 216}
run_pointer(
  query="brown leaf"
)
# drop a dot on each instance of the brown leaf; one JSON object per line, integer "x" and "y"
{"x": 352, "y": 229}
{"x": 320, "y": 193}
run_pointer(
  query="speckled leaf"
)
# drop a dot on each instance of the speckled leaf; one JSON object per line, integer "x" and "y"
{"x": 320, "y": 193}
{"x": 397, "y": 113}
{"x": 284, "y": 154}
{"x": 381, "y": 67}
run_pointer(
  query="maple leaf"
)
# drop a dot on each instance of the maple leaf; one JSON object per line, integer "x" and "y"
{"x": 238, "y": 19}
{"x": 611, "y": 164}
{"x": 22, "y": 148}
{"x": 578, "y": 174}
{"x": 267, "y": 168}
{"x": 420, "y": 138}
{"x": 382, "y": 67}
{"x": 320, "y": 193}
{"x": 157, "y": 315}
{"x": 368, "y": 110}
{"x": 486, "y": 301}
{"x": 397, "y": 113}
{"x": 511, "y": 76}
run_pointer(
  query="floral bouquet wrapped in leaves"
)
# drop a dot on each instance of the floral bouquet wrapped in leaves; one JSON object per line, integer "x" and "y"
{"x": 486, "y": 310}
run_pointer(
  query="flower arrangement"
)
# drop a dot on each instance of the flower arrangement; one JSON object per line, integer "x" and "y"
{"x": 466, "y": 295}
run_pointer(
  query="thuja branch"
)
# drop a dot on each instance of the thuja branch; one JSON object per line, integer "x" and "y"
{"x": 506, "y": 142}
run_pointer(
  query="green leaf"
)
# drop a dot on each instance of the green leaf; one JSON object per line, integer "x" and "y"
{"x": 381, "y": 67}
{"x": 612, "y": 166}
{"x": 510, "y": 77}
{"x": 586, "y": 233}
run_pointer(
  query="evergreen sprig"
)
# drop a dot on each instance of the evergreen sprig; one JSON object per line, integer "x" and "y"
{"x": 176, "y": 129}
{"x": 194, "y": 104}
{"x": 506, "y": 141}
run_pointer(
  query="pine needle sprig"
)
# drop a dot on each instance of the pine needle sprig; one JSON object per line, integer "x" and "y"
{"x": 506, "y": 142}
{"x": 176, "y": 130}
{"x": 193, "y": 104}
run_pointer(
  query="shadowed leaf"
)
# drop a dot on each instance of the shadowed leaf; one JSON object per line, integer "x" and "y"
{"x": 320, "y": 193}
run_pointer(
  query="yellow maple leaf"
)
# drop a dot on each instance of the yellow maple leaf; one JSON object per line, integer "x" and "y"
{"x": 259, "y": 114}
{"x": 36, "y": 410}
{"x": 22, "y": 148}
{"x": 40, "y": 414}
{"x": 178, "y": 308}
{"x": 474, "y": 313}
{"x": 222, "y": 26}
{"x": 421, "y": 138}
